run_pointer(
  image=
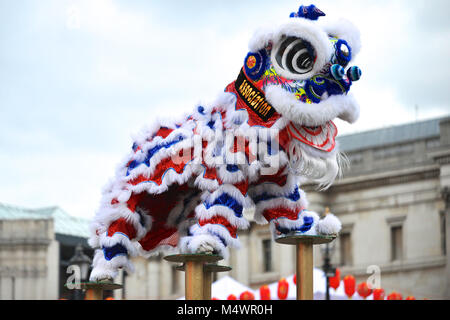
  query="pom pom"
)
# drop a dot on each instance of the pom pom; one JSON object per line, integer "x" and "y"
{"x": 329, "y": 225}
{"x": 354, "y": 73}
{"x": 337, "y": 71}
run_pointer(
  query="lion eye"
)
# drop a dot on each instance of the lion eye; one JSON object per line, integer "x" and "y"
{"x": 295, "y": 55}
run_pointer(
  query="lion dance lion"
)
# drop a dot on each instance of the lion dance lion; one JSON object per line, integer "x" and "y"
{"x": 186, "y": 184}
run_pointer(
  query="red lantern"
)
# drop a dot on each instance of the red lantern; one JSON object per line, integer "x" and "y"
{"x": 283, "y": 289}
{"x": 247, "y": 295}
{"x": 349, "y": 286}
{"x": 231, "y": 297}
{"x": 364, "y": 290}
{"x": 264, "y": 292}
{"x": 378, "y": 294}
{"x": 215, "y": 298}
{"x": 395, "y": 296}
{"x": 295, "y": 279}
{"x": 410, "y": 298}
{"x": 336, "y": 280}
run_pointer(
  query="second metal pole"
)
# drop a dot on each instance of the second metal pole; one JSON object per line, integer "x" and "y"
{"x": 305, "y": 269}
{"x": 194, "y": 286}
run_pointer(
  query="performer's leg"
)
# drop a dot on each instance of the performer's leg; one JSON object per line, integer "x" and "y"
{"x": 219, "y": 215}
{"x": 115, "y": 243}
{"x": 284, "y": 207}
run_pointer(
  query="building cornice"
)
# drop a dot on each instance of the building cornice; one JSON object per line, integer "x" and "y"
{"x": 399, "y": 266}
{"x": 382, "y": 179}
{"x": 441, "y": 157}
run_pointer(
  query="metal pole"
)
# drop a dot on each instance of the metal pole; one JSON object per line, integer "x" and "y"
{"x": 305, "y": 269}
{"x": 326, "y": 268}
{"x": 328, "y": 289}
{"x": 207, "y": 282}
{"x": 194, "y": 280}
{"x": 94, "y": 294}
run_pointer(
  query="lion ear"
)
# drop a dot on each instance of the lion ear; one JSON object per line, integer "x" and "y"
{"x": 346, "y": 30}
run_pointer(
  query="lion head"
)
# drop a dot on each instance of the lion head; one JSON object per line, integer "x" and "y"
{"x": 303, "y": 66}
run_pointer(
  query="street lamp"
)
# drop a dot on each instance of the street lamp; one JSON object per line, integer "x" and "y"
{"x": 328, "y": 269}
{"x": 83, "y": 262}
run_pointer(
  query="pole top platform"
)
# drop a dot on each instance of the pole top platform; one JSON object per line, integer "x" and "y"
{"x": 296, "y": 238}
{"x": 209, "y": 267}
{"x": 103, "y": 285}
{"x": 197, "y": 257}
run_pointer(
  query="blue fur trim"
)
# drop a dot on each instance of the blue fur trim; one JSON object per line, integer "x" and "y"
{"x": 310, "y": 12}
{"x": 201, "y": 110}
{"x": 294, "y": 196}
{"x": 307, "y": 225}
{"x": 114, "y": 251}
{"x": 341, "y": 58}
{"x": 211, "y": 124}
{"x": 151, "y": 152}
{"x": 227, "y": 201}
{"x": 232, "y": 168}
{"x": 317, "y": 86}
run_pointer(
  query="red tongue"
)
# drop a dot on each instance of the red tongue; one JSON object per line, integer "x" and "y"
{"x": 301, "y": 133}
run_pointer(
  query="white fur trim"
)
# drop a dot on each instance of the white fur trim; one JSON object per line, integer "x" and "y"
{"x": 301, "y": 28}
{"x": 106, "y": 241}
{"x": 213, "y": 229}
{"x": 204, "y": 214}
{"x": 203, "y": 243}
{"x": 293, "y": 224}
{"x": 346, "y": 30}
{"x": 104, "y": 269}
{"x": 343, "y": 106}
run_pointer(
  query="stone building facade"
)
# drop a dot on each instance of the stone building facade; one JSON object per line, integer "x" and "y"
{"x": 394, "y": 206}
{"x": 394, "y": 203}
{"x": 35, "y": 248}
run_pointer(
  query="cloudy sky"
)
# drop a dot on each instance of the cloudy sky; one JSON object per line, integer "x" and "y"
{"x": 77, "y": 78}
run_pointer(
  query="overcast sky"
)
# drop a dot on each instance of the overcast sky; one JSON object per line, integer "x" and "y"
{"x": 77, "y": 78}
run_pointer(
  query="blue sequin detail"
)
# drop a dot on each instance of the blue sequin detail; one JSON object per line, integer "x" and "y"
{"x": 210, "y": 124}
{"x": 227, "y": 201}
{"x": 201, "y": 110}
{"x": 116, "y": 250}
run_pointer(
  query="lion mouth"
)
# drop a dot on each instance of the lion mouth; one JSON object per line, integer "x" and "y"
{"x": 322, "y": 137}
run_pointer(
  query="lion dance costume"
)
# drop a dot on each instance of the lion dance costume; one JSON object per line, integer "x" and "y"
{"x": 186, "y": 184}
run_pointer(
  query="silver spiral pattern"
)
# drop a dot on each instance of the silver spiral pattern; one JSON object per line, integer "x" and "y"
{"x": 294, "y": 55}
